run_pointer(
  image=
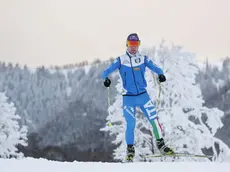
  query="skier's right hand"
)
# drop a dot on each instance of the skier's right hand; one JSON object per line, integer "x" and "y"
{"x": 107, "y": 82}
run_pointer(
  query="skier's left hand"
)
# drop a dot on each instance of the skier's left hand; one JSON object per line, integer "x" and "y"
{"x": 162, "y": 78}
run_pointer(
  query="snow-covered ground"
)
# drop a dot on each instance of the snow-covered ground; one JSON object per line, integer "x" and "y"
{"x": 42, "y": 165}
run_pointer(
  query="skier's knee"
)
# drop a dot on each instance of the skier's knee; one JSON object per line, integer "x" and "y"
{"x": 131, "y": 124}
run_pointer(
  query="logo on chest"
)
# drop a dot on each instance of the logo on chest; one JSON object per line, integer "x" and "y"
{"x": 138, "y": 60}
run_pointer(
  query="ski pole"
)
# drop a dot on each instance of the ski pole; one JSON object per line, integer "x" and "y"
{"x": 159, "y": 92}
{"x": 158, "y": 105}
{"x": 108, "y": 97}
{"x": 109, "y": 123}
{"x": 159, "y": 95}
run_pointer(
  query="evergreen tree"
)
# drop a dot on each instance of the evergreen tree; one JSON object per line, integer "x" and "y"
{"x": 11, "y": 134}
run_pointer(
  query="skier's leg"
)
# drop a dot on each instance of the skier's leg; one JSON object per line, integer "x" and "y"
{"x": 149, "y": 111}
{"x": 129, "y": 114}
{"x": 129, "y": 111}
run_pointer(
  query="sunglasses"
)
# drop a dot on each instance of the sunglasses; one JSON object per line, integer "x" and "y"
{"x": 133, "y": 43}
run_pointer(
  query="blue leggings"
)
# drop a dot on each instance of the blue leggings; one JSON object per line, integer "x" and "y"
{"x": 144, "y": 102}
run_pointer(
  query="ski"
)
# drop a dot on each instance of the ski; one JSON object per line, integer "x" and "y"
{"x": 178, "y": 155}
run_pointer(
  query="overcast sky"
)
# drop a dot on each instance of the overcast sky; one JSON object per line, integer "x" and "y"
{"x": 45, "y": 32}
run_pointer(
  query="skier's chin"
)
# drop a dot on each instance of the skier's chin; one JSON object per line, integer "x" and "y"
{"x": 133, "y": 52}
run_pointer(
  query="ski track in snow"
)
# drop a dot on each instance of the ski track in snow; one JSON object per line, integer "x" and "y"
{"x": 43, "y": 165}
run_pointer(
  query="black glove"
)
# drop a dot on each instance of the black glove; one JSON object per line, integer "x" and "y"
{"x": 107, "y": 82}
{"x": 162, "y": 78}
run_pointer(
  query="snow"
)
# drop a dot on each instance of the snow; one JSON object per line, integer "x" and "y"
{"x": 32, "y": 70}
{"x": 68, "y": 88}
{"x": 219, "y": 84}
{"x": 87, "y": 69}
{"x": 43, "y": 165}
{"x": 218, "y": 63}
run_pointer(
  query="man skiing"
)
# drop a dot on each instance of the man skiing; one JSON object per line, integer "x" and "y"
{"x": 131, "y": 67}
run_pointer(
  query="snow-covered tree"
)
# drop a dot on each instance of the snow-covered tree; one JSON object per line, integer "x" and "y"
{"x": 188, "y": 125}
{"x": 11, "y": 134}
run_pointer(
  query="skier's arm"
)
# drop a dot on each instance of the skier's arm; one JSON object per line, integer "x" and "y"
{"x": 115, "y": 65}
{"x": 153, "y": 67}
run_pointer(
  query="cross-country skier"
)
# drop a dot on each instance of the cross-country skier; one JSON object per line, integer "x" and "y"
{"x": 132, "y": 66}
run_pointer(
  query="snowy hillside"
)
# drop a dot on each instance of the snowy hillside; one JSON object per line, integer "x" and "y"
{"x": 42, "y": 165}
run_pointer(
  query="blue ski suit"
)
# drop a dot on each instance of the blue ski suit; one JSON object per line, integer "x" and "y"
{"x": 132, "y": 72}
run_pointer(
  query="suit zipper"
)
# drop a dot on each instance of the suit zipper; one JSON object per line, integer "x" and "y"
{"x": 133, "y": 74}
{"x": 125, "y": 78}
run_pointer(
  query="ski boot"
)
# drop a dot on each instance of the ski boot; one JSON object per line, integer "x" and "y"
{"x": 130, "y": 153}
{"x": 163, "y": 148}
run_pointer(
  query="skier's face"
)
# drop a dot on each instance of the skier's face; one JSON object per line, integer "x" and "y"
{"x": 133, "y": 46}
